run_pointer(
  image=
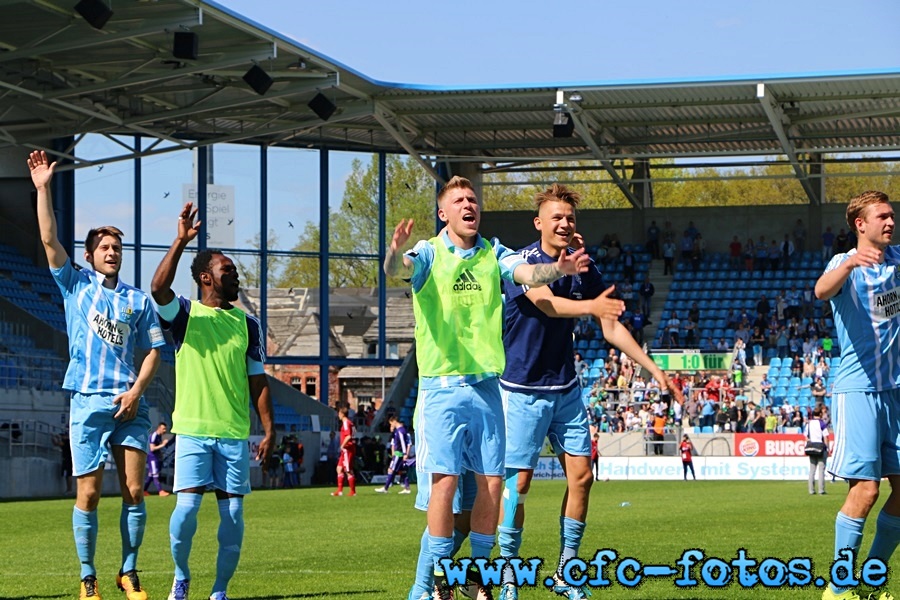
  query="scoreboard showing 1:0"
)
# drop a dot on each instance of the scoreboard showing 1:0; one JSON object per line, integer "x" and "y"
{"x": 692, "y": 361}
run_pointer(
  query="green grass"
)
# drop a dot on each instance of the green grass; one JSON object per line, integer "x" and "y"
{"x": 306, "y": 544}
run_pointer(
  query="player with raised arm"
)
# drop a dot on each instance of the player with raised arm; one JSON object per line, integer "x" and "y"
{"x": 540, "y": 387}
{"x": 220, "y": 351}
{"x": 459, "y": 350}
{"x": 862, "y": 286}
{"x": 106, "y": 320}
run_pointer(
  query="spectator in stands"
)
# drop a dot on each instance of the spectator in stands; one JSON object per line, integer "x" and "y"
{"x": 771, "y": 421}
{"x": 668, "y": 251}
{"x": 763, "y": 308}
{"x": 807, "y": 298}
{"x": 614, "y": 251}
{"x": 787, "y": 252}
{"x": 732, "y": 319}
{"x": 673, "y": 328}
{"x": 796, "y": 365}
{"x": 818, "y": 390}
{"x": 580, "y": 368}
{"x": 757, "y": 345}
{"x": 645, "y": 295}
{"x": 842, "y": 242}
{"x": 799, "y": 235}
{"x": 722, "y": 345}
{"x": 827, "y": 345}
{"x": 653, "y": 237}
{"x": 698, "y": 251}
{"x": 707, "y": 345}
{"x": 797, "y": 419}
{"x": 625, "y": 291}
{"x": 690, "y": 334}
{"x": 827, "y": 244}
{"x": 735, "y": 416}
{"x": 822, "y": 368}
{"x": 780, "y": 307}
{"x": 638, "y": 321}
{"x": 107, "y": 320}
{"x": 748, "y": 255}
{"x": 687, "y": 247}
{"x": 628, "y": 264}
{"x": 765, "y": 387}
{"x": 781, "y": 342}
{"x": 795, "y": 346}
{"x": 794, "y": 299}
{"x": 694, "y": 314}
{"x": 774, "y": 255}
{"x": 692, "y": 230}
{"x": 809, "y": 368}
{"x": 735, "y": 253}
{"x": 761, "y": 256}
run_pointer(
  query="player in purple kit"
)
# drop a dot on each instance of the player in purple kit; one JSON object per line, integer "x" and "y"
{"x": 155, "y": 459}
{"x": 400, "y": 444}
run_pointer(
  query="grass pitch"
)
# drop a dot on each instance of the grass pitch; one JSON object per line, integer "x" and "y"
{"x": 305, "y": 544}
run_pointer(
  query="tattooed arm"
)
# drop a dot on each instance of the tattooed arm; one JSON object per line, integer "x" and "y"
{"x": 542, "y": 274}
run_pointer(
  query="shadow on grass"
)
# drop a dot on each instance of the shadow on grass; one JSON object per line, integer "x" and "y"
{"x": 322, "y": 594}
{"x": 33, "y": 596}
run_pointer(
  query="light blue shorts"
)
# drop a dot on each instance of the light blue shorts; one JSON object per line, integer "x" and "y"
{"x": 462, "y": 427}
{"x": 464, "y": 499}
{"x": 222, "y": 463}
{"x": 558, "y": 416}
{"x": 866, "y": 435}
{"x": 92, "y": 429}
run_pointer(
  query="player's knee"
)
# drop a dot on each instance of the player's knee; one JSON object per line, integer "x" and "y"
{"x": 133, "y": 493}
{"x": 864, "y": 495}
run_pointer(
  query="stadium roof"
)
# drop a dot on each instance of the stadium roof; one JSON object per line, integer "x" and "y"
{"x": 61, "y": 77}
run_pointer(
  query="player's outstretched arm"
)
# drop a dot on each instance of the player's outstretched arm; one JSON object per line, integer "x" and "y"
{"x": 41, "y": 175}
{"x": 395, "y": 264}
{"x": 161, "y": 286}
{"x": 618, "y": 335}
{"x": 830, "y": 283}
{"x": 542, "y": 274}
{"x": 262, "y": 402}
{"x": 558, "y": 307}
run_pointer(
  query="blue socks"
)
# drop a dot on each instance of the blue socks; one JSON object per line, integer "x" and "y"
{"x": 887, "y": 535}
{"x": 848, "y": 533}
{"x": 182, "y": 527}
{"x": 231, "y": 534}
{"x": 482, "y": 543}
{"x": 510, "y": 540}
{"x": 84, "y": 526}
{"x": 132, "y": 520}
{"x": 441, "y": 547}
{"x": 570, "y": 534}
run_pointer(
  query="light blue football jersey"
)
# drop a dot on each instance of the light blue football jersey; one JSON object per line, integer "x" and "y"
{"x": 867, "y": 317}
{"x": 104, "y": 326}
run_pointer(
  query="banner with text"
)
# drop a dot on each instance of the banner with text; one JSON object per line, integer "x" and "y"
{"x": 628, "y": 468}
{"x": 769, "y": 444}
{"x": 219, "y": 213}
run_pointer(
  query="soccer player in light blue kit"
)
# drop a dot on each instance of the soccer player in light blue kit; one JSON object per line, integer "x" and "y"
{"x": 457, "y": 301}
{"x": 864, "y": 290}
{"x": 541, "y": 394}
{"x": 106, "y": 321}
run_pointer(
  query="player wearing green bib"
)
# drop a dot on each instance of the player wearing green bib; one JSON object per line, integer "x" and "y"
{"x": 219, "y": 365}
{"x": 456, "y": 297}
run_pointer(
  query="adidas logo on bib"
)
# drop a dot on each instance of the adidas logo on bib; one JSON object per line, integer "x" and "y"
{"x": 466, "y": 282}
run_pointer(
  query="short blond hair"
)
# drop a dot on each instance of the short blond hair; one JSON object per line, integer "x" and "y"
{"x": 858, "y": 205}
{"x": 557, "y": 192}
{"x": 456, "y": 182}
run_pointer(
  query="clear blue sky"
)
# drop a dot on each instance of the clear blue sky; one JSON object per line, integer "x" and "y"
{"x": 503, "y": 41}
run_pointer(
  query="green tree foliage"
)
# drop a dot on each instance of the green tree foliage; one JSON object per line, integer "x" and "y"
{"x": 353, "y": 227}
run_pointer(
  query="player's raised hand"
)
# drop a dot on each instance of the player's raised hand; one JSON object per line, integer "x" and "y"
{"x": 577, "y": 242}
{"x": 605, "y": 306}
{"x": 574, "y": 263}
{"x": 187, "y": 228}
{"x": 401, "y": 233}
{"x": 41, "y": 168}
{"x": 867, "y": 257}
